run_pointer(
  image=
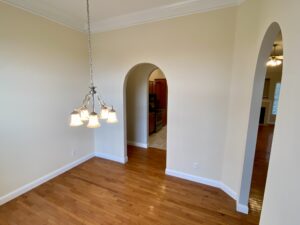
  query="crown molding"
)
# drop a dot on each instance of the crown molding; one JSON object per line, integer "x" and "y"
{"x": 41, "y": 8}
{"x": 240, "y": 1}
{"x": 183, "y": 8}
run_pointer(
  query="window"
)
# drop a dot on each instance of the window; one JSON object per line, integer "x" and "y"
{"x": 276, "y": 98}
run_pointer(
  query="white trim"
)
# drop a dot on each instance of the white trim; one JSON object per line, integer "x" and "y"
{"x": 209, "y": 182}
{"x": 239, "y": 2}
{"x": 178, "y": 9}
{"x": 217, "y": 184}
{"x": 118, "y": 159}
{"x": 40, "y": 8}
{"x": 194, "y": 178}
{"x": 228, "y": 191}
{"x": 242, "y": 208}
{"x": 58, "y": 15}
{"x": 137, "y": 144}
{"x": 27, "y": 187}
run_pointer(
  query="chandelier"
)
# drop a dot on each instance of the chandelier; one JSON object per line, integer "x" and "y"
{"x": 274, "y": 60}
{"x": 87, "y": 112}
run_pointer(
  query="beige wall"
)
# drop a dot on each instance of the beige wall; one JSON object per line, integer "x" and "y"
{"x": 282, "y": 191}
{"x": 43, "y": 75}
{"x": 188, "y": 50}
{"x": 209, "y": 95}
{"x": 195, "y": 54}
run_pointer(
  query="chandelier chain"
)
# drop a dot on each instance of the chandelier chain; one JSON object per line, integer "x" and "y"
{"x": 87, "y": 111}
{"x": 90, "y": 45}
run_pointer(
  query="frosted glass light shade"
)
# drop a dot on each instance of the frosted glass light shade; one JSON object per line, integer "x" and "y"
{"x": 278, "y": 62}
{"x": 274, "y": 62}
{"x": 269, "y": 63}
{"x": 104, "y": 113}
{"x": 93, "y": 121}
{"x": 112, "y": 116}
{"x": 75, "y": 119}
{"x": 84, "y": 114}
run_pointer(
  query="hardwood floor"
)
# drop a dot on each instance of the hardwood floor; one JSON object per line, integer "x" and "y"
{"x": 260, "y": 169}
{"x": 105, "y": 192}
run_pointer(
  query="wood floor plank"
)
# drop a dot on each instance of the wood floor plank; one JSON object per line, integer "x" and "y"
{"x": 104, "y": 192}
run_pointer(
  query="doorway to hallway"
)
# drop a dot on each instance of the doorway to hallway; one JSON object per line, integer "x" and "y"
{"x": 158, "y": 108}
{"x": 263, "y": 113}
{"x": 267, "y": 120}
{"x": 146, "y": 94}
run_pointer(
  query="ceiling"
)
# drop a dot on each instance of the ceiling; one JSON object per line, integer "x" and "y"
{"x": 114, "y": 14}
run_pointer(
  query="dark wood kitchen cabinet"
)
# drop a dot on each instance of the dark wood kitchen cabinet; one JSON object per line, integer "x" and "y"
{"x": 158, "y": 101}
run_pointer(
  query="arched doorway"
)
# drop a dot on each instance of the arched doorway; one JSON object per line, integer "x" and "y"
{"x": 263, "y": 111}
{"x": 158, "y": 108}
{"x": 145, "y": 107}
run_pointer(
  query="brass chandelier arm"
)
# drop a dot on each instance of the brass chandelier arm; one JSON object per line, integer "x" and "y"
{"x": 86, "y": 100}
{"x": 100, "y": 101}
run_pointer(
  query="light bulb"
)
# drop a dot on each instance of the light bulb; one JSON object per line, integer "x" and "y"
{"x": 271, "y": 62}
{"x": 104, "y": 112}
{"x": 84, "y": 114}
{"x": 93, "y": 121}
{"x": 75, "y": 119}
{"x": 112, "y": 116}
{"x": 278, "y": 62}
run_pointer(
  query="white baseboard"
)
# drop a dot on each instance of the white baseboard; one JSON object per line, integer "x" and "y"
{"x": 27, "y": 187}
{"x": 242, "y": 208}
{"x": 137, "y": 144}
{"x": 214, "y": 183}
{"x": 209, "y": 182}
{"x": 229, "y": 191}
{"x": 22, "y": 190}
{"x": 118, "y": 159}
{"x": 194, "y": 178}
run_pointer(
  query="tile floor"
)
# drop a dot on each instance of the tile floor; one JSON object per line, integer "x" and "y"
{"x": 159, "y": 139}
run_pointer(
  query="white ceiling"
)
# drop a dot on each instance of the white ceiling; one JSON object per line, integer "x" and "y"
{"x": 114, "y": 14}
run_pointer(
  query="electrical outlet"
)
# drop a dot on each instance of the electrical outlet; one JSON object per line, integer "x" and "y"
{"x": 195, "y": 165}
{"x": 73, "y": 152}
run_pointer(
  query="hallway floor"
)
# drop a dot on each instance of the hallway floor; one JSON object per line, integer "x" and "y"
{"x": 104, "y": 192}
{"x": 260, "y": 169}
